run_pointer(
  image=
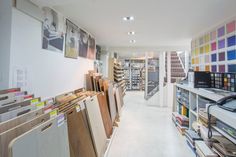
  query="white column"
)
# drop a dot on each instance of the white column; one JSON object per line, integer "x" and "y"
{"x": 161, "y": 78}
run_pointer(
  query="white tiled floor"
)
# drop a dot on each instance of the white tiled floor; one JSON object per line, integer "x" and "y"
{"x": 146, "y": 131}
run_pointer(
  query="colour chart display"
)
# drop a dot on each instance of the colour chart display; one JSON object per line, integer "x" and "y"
{"x": 215, "y": 51}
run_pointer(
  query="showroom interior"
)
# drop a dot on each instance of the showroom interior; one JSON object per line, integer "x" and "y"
{"x": 89, "y": 78}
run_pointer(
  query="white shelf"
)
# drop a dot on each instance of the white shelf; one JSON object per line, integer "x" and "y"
{"x": 201, "y": 92}
{"x": 225, "y": 135}
{"x": 224, "y": 115}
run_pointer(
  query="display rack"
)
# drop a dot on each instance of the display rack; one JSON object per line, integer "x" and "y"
{"x": 119, "y": 75}
{"x": 196, "y": 100}
{"x": 134, "y": 74}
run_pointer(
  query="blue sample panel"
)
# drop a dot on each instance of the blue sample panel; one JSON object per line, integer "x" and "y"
{"x": 231, "y": 41}
{"x": 213, "y": 57}
{"x": 232, "y": 68}
{"x": 231, "y": 55}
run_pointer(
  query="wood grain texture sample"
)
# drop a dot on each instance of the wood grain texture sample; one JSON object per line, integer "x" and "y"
{"x": 49, "y": 139}
{"x": 80, "y": 140}
{"x": 96, "y": 125}
{"x": 108, "y": 90}
{"x": 19, "y": 120}
{"x": 105, "y": 114}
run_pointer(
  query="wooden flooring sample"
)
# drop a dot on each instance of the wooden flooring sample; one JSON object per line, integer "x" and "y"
{"x": 19, "y": 120}
{"x": 96, "y": 125}
{"x": 118, "y": 100}
{"x": 49, "y": 139}
{"x": 81, "y": 144}
{"x": 15, "y": 113}
{"x": 7, "y": 136}
{"x": 108, "y": 88}
{"x": 105, "y": 114}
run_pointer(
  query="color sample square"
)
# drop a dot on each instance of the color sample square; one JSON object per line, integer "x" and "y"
{"x": 221, "y": 68}
{"x": 213, "y": 46}
{"x": 207, "y": 59}
{"x": 201, "y": 50}
{"x": 197, "y": 68}
{"x": 213, "y": 35}
{"x": 213, "y": 57}
{"x": 231, "y": 55}
{"x": 207, "y": 48}
{"x": 202, "y": 59}
{"x": 231, "y": 27}
{"x": 221, "y": 56}
{"x": 221, "y": 44}
{"x": 207, "y": 38}
{"x": 213, "y": 68}
{"x": 197, "y": 60}
{"x": 232, "y": 68}
{"x": 197, "y": 51}
{"x": 231, "y": 41}
{"x": 207, "y": 68}
{"x": 221, "y": 31}
{"x": 193, "y": 61}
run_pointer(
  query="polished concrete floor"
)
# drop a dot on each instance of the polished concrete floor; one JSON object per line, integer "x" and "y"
{"x": 147, "y": 131}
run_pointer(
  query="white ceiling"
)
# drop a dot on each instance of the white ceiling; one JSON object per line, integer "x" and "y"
{"x": 158, "y": 23}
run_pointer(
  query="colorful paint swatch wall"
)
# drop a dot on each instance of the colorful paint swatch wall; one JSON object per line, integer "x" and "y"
{"x": 215, "y": 50}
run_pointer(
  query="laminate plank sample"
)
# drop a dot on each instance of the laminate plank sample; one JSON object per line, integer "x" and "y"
{"x": 96, "y": 125}
{"x": 5, "y": 91}
{"x": 10, "y": 98}
{"x": 7, "y": 136}
{"x": 19, "y": 120}
{"x": 108, "y": 88}
{"x": 80, "y": 140}
{"x": 49, "y": 139}
{"x": 15, "y": 113}
{"x": 105, "y": 114}
{"x": 89, "y": 82}
{"x": 118, "y": 100}
{"x": 66, "y": 97}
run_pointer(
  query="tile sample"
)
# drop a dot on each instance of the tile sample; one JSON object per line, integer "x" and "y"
{"x": 96, "y": 125}
{"x": 49, "y": 139}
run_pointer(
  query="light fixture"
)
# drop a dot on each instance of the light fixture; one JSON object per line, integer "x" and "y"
{"x": 128, "y": 18}
{"x": 131, "y": 33}
{"x": 132, "y": 41}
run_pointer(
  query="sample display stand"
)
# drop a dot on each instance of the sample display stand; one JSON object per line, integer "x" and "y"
{"x": 195, "y": 99}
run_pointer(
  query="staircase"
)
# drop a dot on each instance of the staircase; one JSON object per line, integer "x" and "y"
{"x": 177, "y": 69}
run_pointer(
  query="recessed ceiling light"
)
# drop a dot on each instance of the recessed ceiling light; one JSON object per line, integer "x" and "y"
{"x": 131, "y": 33}
{"x": 132, "y": 41}
{"x": 128, "y": 18}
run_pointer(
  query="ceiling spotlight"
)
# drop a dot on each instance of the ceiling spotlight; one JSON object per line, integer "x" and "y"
{"x": 128, "y": 18}
{"x": 132, "y": 41}
{"x": 131, "y": 33}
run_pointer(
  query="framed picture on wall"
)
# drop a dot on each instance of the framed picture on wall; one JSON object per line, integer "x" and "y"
{"x": 53, "y": 30}
{"x": 72, "y": 40}
{"x": 83, "y": 44}
{"x": 91, "y": 54}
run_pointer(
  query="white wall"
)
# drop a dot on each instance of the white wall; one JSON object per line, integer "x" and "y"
{"x": 49, "y": 73}
{"x": 5, "y": 40}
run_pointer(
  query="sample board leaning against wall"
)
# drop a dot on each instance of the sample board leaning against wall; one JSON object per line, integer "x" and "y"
{"x": 48, "y": 73}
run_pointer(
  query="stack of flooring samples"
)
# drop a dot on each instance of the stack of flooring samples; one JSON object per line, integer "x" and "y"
{"x": 77, "y": 124}
{"x": 202, "y": 150}
{"x": 27, "y": 127}
{"x": 223, "y": 147}
{"x": 191, "y": 137}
